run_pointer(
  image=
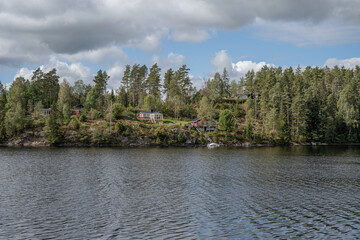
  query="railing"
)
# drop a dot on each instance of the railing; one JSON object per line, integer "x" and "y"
{"x": 152, "y": 119}
{"x": 206, "y": 136}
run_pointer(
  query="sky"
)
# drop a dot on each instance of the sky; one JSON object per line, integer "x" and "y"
{"x": 79, "y": 37}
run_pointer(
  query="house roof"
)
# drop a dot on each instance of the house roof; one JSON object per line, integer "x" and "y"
{"x": 195, "y": 120}
{"x": 198, "y": 119}
{"x": 151, "y": 112}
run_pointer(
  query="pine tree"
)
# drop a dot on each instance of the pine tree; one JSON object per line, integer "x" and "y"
{"x": 141, "y": 84}
{"x": 214, "y": 86}
{"x": 15, "y": 108}
{"x": 65, "y": 94}
{"x": 3, "y": 101}
{"x": 348, "y": 106}
{"x": 153, "y": 81}
{"x": 90, "y": 100}
{"x": 134, "y": 81}
{"x": 185, "y": 84}
{"x": 126, "y": 81}
{"x": 52, "y": 128}
{"x": 100, "y": 81}
{"x": 51, "y": 86}
{"x": 225, "y": 84}
{"x": 233, "y": 88}
{"x": 150, "y": 102}
{"x": 122, "y": 96}
{"x": 79, "y": 93}
{"x": 44, "y": 87}
{"x": 206, "y": 110}
{"x": 167, "y": 79}
{"x": 226, "y": 120}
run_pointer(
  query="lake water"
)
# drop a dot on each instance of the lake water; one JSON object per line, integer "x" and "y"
{"x": 180, "y": 193}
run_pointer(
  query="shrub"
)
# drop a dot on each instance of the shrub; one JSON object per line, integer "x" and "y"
{"x": 93, "y": 114}
{"x": 160, "y": 133}
{"x": 83, "y": 135}
{"x": 39, "y": 122}
{"x": 97, "y": 136}
{"x": 128, "y": 132}
{"x": 120, "y": 127}
{"x": 117, "y": 110}
{"x": 181, "y": 137}
{"x": 249, "y": 131}
{"x": 226, "y": 120}
{"x": 52, "y": 131}
{"x": 258, "y": 138}
{"x": 74, "y": 122}
{"x": 82, "y": 117}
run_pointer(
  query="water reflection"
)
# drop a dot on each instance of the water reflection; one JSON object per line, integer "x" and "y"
{"x": 177, "y": 193}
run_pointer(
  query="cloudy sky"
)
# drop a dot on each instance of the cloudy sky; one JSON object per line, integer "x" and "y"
{"x": 79, "y": 37}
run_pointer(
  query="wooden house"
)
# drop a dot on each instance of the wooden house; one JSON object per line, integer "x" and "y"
{"x": 44, "y": 112}
{"x": 203, "y": 125}
{"x": 241, "y": 95}
{"x": 150, "y": 116}
{"x": 77, "y": 110}
{"x": 246, "y": 95}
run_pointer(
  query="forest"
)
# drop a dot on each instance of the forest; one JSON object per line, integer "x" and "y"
{"x": 273, "y": 105}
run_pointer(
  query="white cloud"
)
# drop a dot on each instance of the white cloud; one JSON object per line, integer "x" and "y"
{"x": 172, "y": 60}
{"x": 71, "y": 72}
{"x": 116, "y": 73}
{"x": 198, "y": 82}
{"x": 76, "y": 71}
{"x": 150, "y": 42}
{"x": 242, "y": 67}
{"x": 32, "y": 30}
{"x": 236, "y": 70}
{"x": 222, "y": 60}
{"x": 25, "y": 73}
{"x": 112, "y": 53}
{"x": 349, "y": 63}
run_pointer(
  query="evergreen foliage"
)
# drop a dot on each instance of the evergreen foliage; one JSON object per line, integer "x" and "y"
{"x": 117, "y": 110}
{"x": 226, "y": 120}
{"x": 206, "y": 109}
{"x": 275, "y": 105}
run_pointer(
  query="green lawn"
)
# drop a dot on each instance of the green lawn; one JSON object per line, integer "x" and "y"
{"x": 175, "y": 121}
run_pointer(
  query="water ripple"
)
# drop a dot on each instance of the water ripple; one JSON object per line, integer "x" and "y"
{"x": 89, "y": 193}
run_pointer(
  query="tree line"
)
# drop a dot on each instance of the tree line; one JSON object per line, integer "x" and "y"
{"x": 316, "y": 104}
{"x": 140, "y": 89}
{"x": 283, "y": 105}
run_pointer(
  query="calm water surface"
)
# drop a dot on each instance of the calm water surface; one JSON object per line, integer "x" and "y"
{"x": 180, "y": 193}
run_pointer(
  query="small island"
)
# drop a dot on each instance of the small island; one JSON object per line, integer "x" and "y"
{"x": 273, "y": 106}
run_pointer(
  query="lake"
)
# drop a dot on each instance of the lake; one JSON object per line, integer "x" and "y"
{"x": 180, "y": 193}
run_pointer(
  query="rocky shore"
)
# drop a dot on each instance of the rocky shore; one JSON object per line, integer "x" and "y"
{"x": 140, "y": 135}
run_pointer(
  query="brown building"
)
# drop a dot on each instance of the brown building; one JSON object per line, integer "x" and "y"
{"x": 203, "y": 125}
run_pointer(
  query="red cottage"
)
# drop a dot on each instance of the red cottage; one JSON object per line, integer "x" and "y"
{"x": 75, "y": 112}
{"x": 203, "y": 125}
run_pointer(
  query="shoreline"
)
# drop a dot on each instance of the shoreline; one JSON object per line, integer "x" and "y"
{"x": 38, "y": 144}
